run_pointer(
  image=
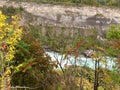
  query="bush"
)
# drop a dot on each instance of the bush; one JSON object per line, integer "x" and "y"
{"x": 30, "y": 52}
{"x": 113, "y": 33}
{"x": 9, "y": 11}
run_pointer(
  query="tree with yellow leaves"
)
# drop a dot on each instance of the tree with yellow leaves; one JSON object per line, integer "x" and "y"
{"x": 10, "y": 34}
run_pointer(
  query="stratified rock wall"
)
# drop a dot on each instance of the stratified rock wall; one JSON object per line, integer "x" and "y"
{"x": 67, "y": 16}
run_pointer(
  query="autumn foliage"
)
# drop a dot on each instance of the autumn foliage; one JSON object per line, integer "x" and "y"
{"x": 10, "y": 35}
{"x": 31, "y": 61}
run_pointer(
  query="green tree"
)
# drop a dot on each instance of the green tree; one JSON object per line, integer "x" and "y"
{"x": 35, "y": 62}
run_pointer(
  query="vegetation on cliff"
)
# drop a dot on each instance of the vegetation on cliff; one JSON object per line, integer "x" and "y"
{"x": 115, "y": 3}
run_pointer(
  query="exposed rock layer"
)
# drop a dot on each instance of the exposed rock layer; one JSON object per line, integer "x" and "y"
{"x": 68, "y": 16}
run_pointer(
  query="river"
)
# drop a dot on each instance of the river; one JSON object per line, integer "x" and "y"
{"x": 106, "y": 62}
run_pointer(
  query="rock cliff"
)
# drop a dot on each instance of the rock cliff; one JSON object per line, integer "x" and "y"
{"x": 68, "y": 16}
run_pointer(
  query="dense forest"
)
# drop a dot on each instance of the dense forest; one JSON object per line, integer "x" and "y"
{"x": 25, "y": 63}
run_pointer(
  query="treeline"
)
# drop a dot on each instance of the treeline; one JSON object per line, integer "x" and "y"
{"x": 79, "y": 2}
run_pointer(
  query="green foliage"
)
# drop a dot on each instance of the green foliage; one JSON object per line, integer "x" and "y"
{"x": 76, "y": 44}
{"x": 115, "y": 76}
{"x": 79, "y": 2}
{"x": 31, "y": 62}
{"x": 31, "y": 66}
{"x": 9, "y": 11}
{"x": 10, "y": 35}
{"x": 113, "y": 36}
{"x": 113, "y": 33}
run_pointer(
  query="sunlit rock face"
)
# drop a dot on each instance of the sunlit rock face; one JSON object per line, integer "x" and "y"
{"x": 67, "y": 16}
{"x": 73, "y": 16}
{"x": 64, "y": 20}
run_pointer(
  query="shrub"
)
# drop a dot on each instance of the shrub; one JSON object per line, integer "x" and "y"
{"x": 113, "y": 33}
{"x": 36, "y": 62}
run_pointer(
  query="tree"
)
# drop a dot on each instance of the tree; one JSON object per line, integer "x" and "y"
{"x": 10, "y": 35}
{"x": 32, "y": 62}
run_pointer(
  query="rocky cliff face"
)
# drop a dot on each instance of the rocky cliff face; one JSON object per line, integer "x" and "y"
{"x": 67, "y": 16}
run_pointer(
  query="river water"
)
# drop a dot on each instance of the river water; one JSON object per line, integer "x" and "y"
{"x": 106, "y": 62}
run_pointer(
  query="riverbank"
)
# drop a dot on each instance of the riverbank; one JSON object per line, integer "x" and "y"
{"x": 81, "y": 60}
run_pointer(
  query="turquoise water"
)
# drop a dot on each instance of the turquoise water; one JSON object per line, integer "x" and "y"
{"x": 106, "y": 62}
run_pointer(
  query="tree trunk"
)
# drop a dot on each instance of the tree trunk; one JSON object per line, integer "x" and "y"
{"x": 5, "y": 75}
{"x": 96, "y": 76}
